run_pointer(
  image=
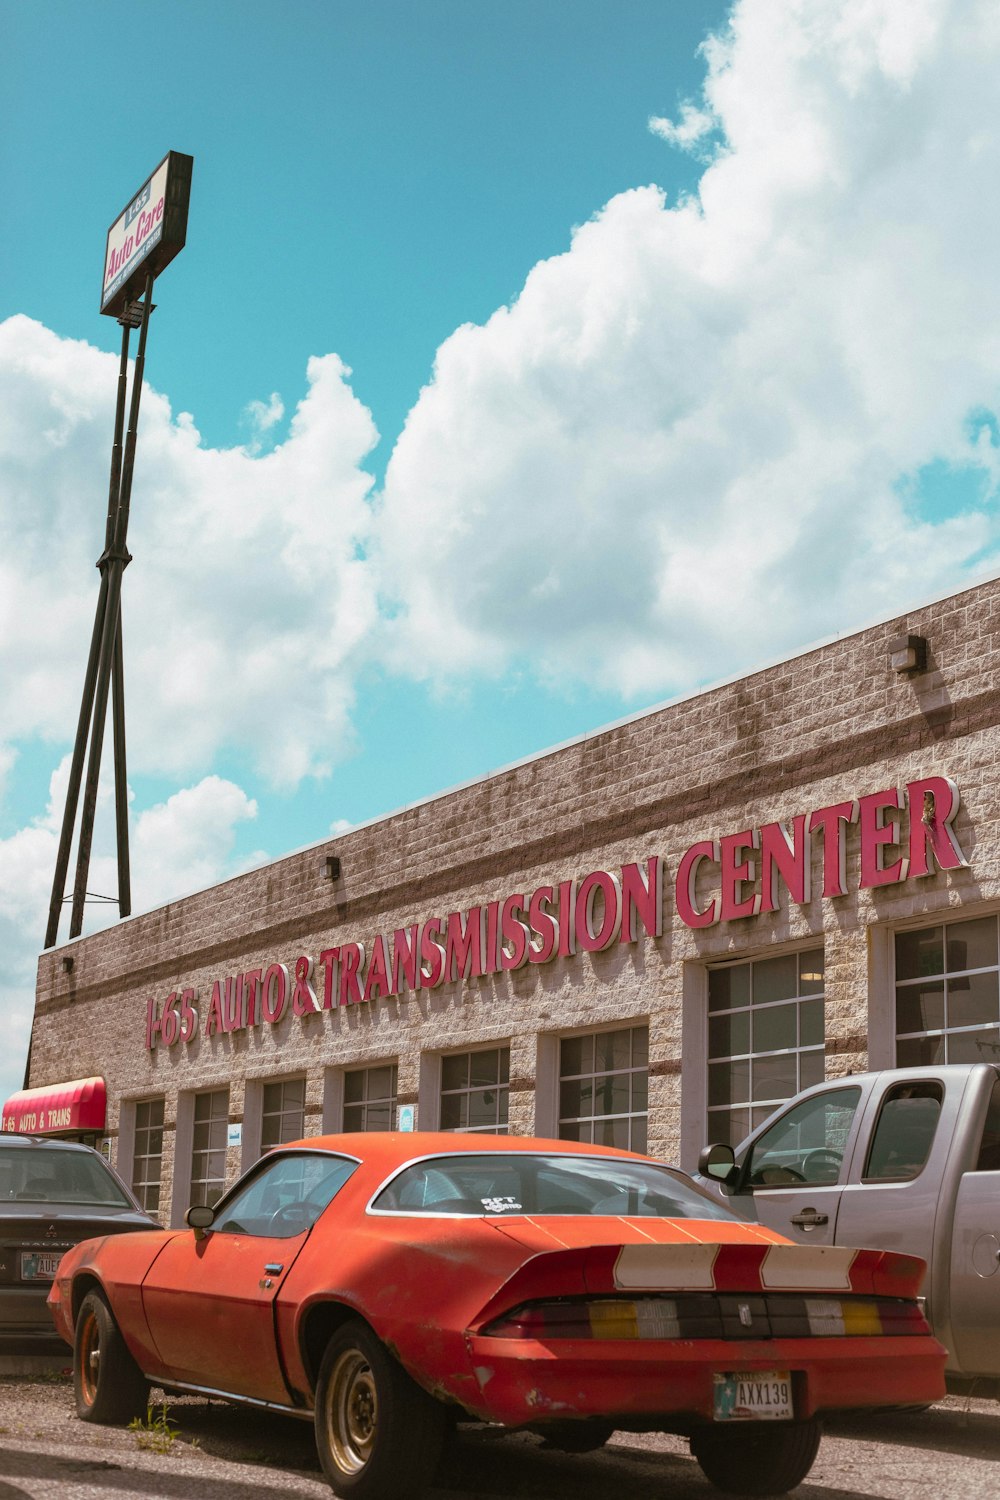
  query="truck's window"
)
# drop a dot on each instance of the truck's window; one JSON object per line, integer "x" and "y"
{"x": 989, "y": 1150}
{"x": 904, "y": 1132}
{"x": 807, "y": 1144}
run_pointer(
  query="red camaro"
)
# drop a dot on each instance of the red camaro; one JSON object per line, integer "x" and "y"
{"x": 382, "y": 1285}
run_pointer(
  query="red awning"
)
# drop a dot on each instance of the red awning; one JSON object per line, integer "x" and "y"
{"x": 80, "y": 1105}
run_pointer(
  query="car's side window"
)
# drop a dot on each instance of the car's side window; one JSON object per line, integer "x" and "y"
{"x": 285, "y": 1197}
{"x": 806, "y": 1145}
{"x": 904, "y": 1132}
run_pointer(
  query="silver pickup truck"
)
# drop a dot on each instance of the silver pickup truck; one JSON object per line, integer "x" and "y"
{"x": 907, "y": 1159}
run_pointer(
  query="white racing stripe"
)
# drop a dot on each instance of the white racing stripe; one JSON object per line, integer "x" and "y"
{"x": 812, "y": 1267}
{"x": 674, "y": 1267}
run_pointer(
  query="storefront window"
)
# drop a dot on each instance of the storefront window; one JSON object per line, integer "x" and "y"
{"x": 474, "y": 1089}
{"x": 604, "y": 1087}
{"x": 208, "y": 1156}
{"x": 947, "y": 1002}
{"x": 370, "y": 1098}
{"x": 284, "y": 1112}
{"x": 766, "y": 1038}
{"x": 147, "y": 1154}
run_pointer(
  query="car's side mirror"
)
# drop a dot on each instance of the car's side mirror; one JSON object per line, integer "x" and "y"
{"x": 719, "y": 1163}
{"x": 199, "y": 1217}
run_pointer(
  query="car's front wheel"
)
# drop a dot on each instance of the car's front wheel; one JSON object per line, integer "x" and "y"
{"x": 377, "y": 1433}
{"x": 757, "y": 1459}
{"x": 108, "y": 1384}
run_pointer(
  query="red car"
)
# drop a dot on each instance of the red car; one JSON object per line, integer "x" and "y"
{"x": 383, "y": 1285}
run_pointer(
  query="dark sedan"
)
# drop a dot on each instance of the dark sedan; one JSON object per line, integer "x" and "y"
{"x": 52, "y": 1195}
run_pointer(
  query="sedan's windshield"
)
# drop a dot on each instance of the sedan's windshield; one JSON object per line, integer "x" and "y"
{"x": 52, "y": 1174}
{"x": 528, "y": 1184}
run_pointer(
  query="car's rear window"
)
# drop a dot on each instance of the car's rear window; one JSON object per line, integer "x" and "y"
{"x": 50, "y": 1174}
{"x": 520, "y": 1183}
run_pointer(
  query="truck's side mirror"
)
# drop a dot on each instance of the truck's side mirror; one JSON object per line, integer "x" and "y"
{"x": 199, "y": 1217}
{"x": 719, "y": 1163}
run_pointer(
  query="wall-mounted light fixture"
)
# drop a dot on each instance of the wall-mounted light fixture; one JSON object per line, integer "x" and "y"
{"x": 67, "y": 962}
{"x": 908, "y": 654}
{"x": 331, "y": 867}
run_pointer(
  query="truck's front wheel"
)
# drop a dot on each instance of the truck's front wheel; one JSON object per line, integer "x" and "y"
{"x": 757, "y": 1459}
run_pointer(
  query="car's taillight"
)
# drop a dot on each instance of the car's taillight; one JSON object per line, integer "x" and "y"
{"x": 707, "y": 1315}
{"x": 603, "y": 1318}
{"x": 854, "y": 1316}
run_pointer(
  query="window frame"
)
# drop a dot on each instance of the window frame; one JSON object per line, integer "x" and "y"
{"x": 281, "y": 1083}
{"x": 947, "y": 977}
{"x": 364, "y": 1070}
{"x": 139, "y": 1131}
{"x": 632, "y": 1116}
{"x": 758, "y": 1110}
{"x": 467, "y": 1090}
{"x": 196, "y": 1183}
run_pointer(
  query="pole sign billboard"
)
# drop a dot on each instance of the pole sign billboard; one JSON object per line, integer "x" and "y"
{"x": 147, "y": 234}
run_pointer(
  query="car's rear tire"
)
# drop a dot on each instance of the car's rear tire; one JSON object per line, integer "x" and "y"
{"x": 757, "y": 1459}
{"x": 377, "y": 1433}
{"x": 108, "y": 1384}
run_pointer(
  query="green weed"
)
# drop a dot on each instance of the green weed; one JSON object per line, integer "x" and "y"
{"x": 158, "y": 1433}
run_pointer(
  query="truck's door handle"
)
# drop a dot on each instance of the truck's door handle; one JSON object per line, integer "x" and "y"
{"x": 809, "y": 1218}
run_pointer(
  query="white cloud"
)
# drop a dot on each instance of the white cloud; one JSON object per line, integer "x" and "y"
{"x": 262, "y": 417}
{"x": 8, "y": 757}
{"x": 687, "y": 446}
{"x": 248, "y": 597}
{"x": 181, "y": 845}
{"x": 694, "y": 125}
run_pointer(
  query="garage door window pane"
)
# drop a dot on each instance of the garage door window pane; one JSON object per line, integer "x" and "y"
{"x": 972, "y": 945}
{"x": 920, "y": 1007}
{"x": 920, "y": 953}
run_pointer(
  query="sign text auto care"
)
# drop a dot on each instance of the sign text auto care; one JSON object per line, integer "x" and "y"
{"x": 717, "y": 880}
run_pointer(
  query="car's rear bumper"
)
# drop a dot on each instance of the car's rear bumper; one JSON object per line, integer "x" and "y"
{"x": 26, "y": 1339}
{"x": 526, "y": 1383}
{"x": 26, "y": 1325}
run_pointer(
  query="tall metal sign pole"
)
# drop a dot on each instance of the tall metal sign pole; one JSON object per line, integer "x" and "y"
{"x": 145, "y": 237}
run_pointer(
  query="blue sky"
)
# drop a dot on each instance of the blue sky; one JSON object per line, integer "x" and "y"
{"x": 528, "y": 363}
{"x": 367, "y": 178}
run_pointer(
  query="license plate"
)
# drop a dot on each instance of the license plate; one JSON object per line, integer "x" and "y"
{"x": 38, "y": 1267}
{"x": 753, "y": 1395}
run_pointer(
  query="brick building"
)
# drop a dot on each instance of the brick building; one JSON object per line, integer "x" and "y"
{"x": 649, "y": 936}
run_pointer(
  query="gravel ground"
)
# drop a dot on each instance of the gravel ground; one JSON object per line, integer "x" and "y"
{"x": 220, "y": 1452}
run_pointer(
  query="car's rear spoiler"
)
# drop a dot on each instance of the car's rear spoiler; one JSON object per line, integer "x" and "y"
{"x": 602, "y": 1270}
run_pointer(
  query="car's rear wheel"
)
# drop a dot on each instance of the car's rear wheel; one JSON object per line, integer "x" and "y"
{"x": 108, "y": 1384}
{"x": 757, "y": 1459}
{"x": 377, "y": 1433}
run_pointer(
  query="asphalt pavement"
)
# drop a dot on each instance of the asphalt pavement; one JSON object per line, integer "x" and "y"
{"x": 211, "y": 1451}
